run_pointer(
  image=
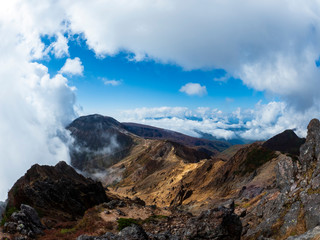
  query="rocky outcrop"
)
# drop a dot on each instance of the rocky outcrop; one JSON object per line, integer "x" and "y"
{"x": 311, "y": 234}
{"x": 26, "y": 223}
{"x": 310, "y": 151}
{"x": 293, "y": 207}
{"x": 219, "y": 223}
{"x": 286, "y": 171}
{"x": 56, "y": 192}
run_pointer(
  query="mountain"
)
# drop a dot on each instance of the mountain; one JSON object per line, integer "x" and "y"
{"x": 102, "y": 141}
{"x": 99, "y": 142}
{"x": 150, "y": 132}
{"x": 287, "y": 142}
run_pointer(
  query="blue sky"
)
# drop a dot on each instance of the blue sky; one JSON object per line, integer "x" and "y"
{"x": 147, "y": 83}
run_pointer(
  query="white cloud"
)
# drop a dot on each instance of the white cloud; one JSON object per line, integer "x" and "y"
{"x": 34, "y": 108}
{"x": 60, "y": 47}
{"x": 260, "y": 123}
{"x": 72, "y": 67}
{"x": 271, "y": 45}
{"x": 194, "y": 89}
{"x": 112, "y": 82}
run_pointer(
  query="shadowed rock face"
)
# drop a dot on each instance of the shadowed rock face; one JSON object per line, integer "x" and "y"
{"x": 57, "y": 192}
{"x": 286, "y": 142}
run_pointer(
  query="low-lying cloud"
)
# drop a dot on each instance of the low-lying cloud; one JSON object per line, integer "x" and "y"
{"x": 260, "y": 123}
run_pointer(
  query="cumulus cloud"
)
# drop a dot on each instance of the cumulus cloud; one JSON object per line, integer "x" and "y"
{"x": 111, "y": 82}
{"x": 193, "y": 89}
{"x": 34, "y": 107}
{"x": 60, "y": 47}
{"x": 271, "y": 45}
{"x": 72, "y": 67}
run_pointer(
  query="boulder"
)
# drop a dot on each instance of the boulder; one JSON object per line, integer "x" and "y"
{"x": 25, "y": 222}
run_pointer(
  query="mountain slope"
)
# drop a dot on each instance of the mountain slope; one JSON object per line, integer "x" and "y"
{"x": 99, "y": 142}
{"x": 150, "y": 132}
{"x": 102, "y": 141}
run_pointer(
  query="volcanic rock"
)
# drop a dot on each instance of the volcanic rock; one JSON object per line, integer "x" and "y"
{"x": 58, "y": 192}
{"x": 25, "y": 222}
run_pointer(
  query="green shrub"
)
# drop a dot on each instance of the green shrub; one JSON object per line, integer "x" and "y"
{"x": 67, "y": 230}
{"x": 7, "y": 214}
{"x": 125, "y": 222}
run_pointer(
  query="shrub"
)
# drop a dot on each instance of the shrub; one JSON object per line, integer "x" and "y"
{"x": 125, "y": 222}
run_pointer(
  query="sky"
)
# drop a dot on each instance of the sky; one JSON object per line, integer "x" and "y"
{"x": 233, "y": 69}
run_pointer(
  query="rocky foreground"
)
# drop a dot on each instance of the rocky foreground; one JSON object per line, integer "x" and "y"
{"x": 265, "y": 190}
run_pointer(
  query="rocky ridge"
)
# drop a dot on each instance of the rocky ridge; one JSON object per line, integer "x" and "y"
{"x": 57, "y": 192}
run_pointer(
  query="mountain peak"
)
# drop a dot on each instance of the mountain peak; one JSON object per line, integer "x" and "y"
{"x": 287, "y": 142}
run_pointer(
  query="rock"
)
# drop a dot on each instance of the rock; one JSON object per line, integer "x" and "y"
{"x": 133, "y": 232}
{"x": 229, "y": 204}
{"x": 138, "y": 201}
{"x": 57, "y": 192}
{"x": 286, "y": 170}
{"x": 218, "y": 223}
{"x": 311, "y": 234}
{"x": 311, "y": 149}
{"x": 25, "y": 222}
{"x": 241, "y": 212}
{"x": 311, "y": 204}
{"x": 291, "y": 218}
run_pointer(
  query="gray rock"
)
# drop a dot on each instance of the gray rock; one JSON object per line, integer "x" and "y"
{"x": 133, "y": 232}
{"x": 26, "y": 222}
{"x": 311, "y": 234}
{"x": 311, "y": 149}
{"x": 311, "y": 204}
{"x": 291, "y": 218}
{"x": 218, "y": 223}
{"x": 286, "y": 170}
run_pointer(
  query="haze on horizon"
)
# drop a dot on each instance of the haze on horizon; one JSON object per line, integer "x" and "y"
{"x": 233, "y": 69}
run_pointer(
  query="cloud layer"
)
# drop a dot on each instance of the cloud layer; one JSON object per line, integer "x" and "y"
{"x": 260, "y": 123}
